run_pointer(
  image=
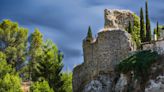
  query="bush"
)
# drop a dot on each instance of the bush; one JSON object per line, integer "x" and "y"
{"x": 40, "y": 87}
{"x": 10, "y": 83}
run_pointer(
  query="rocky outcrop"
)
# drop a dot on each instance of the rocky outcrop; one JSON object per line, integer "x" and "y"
{"x": 118, "y": 18}
{"x": 101, "y": 56}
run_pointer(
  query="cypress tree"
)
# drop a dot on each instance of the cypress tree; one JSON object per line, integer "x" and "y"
{"x": 158, "y": 33}
{"x": 89, "y": 34}
{"x": 148, "y": 29}
{"x": 130, "y": 28}
{"x": 142, "y": 31}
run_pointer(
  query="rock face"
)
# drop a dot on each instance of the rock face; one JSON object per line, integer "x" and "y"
{"x": 97, "y": 73}
{"x": 118, "y": 18}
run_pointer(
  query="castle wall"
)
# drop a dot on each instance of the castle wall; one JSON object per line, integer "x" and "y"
{"x": 102, "y": 56}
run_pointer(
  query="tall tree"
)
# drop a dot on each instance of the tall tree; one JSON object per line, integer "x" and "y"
{"x": 148, "y": 28}
{"x": 13, "y": 42}
{"x": 158, "y": 33}
{"x": 50, "y": 66}
{"x": 130, "y": 28}
{"x": 142, "y": 30}
{"x": 35, "y": 52}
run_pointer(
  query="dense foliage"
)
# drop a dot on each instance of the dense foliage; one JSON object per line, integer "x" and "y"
{"x": 136, "y": 30}
{"x": 10, "y": 83}
{"x": 40, "y": 87}
{"x": 67, "y": 78}
{"x": 29, "y": 59}
{"x": 13, "y": 42}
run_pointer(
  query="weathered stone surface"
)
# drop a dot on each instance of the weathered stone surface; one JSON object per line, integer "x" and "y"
{"x": 154, "y": 46}
{"x": 118, "y": 18}
{"x": 121, "y": 84}
{"x": 156, "y": 85}
{"x": 103, "y": 83}
{"x": 101, "y": 57}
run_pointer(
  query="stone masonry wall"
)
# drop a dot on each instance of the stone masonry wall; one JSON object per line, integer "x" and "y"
{"x": 103, "y": 53}
{"x": 101, "y": 57}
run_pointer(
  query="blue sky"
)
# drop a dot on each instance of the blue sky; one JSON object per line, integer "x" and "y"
{"x": 66, "y": 21}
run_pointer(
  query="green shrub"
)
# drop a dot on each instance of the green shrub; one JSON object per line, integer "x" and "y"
{"x": 10, "y": 83}
{"x": 40, "y": 87}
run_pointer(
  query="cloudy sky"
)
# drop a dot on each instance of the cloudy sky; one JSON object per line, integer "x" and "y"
{"x": 66, "y": 21}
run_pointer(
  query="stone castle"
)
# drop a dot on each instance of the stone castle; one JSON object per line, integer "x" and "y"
{"x": 102, "y": 54}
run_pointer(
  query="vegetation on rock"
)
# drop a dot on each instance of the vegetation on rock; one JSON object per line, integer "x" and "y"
{"x": 136, "y": 31}
{"x": 89, "y": 35}
{"x": 139, "y": 64}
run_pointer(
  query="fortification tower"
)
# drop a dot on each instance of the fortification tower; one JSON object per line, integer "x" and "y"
{"x": 88, "y": 47}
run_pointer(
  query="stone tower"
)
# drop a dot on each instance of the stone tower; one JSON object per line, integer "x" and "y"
{"x": 101, "y": 55}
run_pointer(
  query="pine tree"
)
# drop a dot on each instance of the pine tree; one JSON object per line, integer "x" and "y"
{"x": 13, "y": 43}
{"x": 148, "y": 28}
{"x": 89, "y": 35}
{"x": 130, "y": 28}
{"x": 50, "y": 66}
{"x": 35, "y": 52}
{"x": 142, "y": 31}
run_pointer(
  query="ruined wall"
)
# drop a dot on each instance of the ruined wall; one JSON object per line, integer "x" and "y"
{"x": 117, "y": 18}
{"x": 103, "y": 53}
{"x": 155, "y": 46}
{"x": 101, "y": 57}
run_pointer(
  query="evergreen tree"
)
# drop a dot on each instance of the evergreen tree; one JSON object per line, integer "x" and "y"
{"x": 158, "y": 33}
{"x": 148, "y": 28}
{"x": 142, "y": 30}
{"x": 89, "y": 34}
{"x": 35, "y": 52}
{"x": 130, "y": 28}
{"x": 49, "y": 68}
{"x": 13, "y": 43}
{"x": 67, "y": 78}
